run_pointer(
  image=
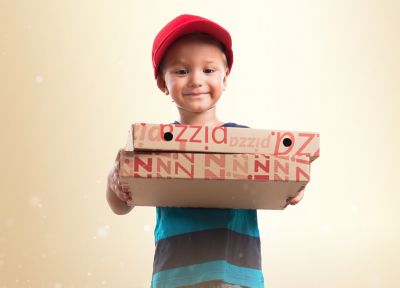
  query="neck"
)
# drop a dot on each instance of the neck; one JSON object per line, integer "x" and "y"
{"x": 206, "y": 118}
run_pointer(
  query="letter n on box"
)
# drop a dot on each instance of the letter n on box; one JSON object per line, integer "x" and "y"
{"x": 247, "y": 181}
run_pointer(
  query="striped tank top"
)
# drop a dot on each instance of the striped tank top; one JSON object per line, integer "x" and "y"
{"x": 196, "y": 246}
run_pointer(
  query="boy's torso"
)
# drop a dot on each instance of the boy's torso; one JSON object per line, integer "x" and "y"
{"x": 211, "y": 247}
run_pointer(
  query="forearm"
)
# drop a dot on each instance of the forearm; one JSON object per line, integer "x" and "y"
{"x": 117, "y": 205}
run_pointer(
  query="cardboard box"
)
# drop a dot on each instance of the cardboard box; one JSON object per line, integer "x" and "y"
{"x": 247, "y": 181}
{"x": 192, "y": 138}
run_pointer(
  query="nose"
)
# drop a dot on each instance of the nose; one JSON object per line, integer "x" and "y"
{"x": 195, "y": 78}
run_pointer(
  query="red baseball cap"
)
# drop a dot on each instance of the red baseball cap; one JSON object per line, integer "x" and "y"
{"x": 185, "y": 24}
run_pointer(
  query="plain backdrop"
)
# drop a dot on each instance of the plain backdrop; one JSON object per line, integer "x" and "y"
{"x": 75, "y": 74}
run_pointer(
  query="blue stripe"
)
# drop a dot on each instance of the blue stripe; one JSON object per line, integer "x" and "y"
{"x": 214, "y": 270}
{"x": 173, "y": 221}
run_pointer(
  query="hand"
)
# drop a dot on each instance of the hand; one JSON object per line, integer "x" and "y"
{"x": 114, "y": 183}
{"x": 296, "y": 199}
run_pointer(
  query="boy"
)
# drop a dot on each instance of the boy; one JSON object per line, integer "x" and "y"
{"x": 197, "y": 247}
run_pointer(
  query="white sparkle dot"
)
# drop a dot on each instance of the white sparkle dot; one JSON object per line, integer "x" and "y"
{"x": 10, "y": 222}
{"x": 35, "y": 201}
{"x": 89, "y": 274}
{"x": 147, "y": 227}
{"x": 16, "y": 280}
{"x": 57, "y": 285}
{"x": 326, "y": 228}
{"x": 103, "y": 231}
{"x": 355, "y": 210}
{"x": 374, "y": 281}
{"x": 39, "y": 79}
{"x": 104, "y": 282}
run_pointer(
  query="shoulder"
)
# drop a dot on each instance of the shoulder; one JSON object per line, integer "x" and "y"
{"x": 232, "y": 124}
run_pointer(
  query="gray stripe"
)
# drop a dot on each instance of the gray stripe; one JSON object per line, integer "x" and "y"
{"x": 204, "y": 246}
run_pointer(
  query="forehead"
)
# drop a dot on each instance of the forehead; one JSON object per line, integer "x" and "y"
{"x": 188, "y": 48}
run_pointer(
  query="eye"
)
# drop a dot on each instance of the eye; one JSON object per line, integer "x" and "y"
{"x": 181, "y": 71}
{"x": 208, "y": 70}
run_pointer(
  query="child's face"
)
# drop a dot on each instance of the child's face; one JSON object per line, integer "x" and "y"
{"x": 194, "y": 73}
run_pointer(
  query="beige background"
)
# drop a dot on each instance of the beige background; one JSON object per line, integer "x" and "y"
{"x": 75, "y": 74}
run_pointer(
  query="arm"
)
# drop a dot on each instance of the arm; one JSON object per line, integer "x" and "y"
{"x": 119, "y": 201}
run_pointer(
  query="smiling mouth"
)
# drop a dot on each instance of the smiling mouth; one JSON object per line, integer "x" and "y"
{"x": 195, "y": 94}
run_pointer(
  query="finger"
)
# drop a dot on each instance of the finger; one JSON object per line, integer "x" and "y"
{"x": 300, "y": 195}
{"x": 297, "y": 198}
{"x": 121, "y": 195}
{"x": 292, "y": 201}
{"x": 125, "y": 189}
{"x": 119, "y": 187}
{"x": 111, "y": 182}
{"x": 115, "y": 189}
{"x": 118, "y": 154}
{"x": 289, "y": 201}
{"x": 128, "y": 197}
{"x": 130, "y": 203}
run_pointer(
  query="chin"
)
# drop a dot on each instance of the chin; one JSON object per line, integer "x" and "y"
{"x": 202, "y": 109}
{"x": 197, "y": 108}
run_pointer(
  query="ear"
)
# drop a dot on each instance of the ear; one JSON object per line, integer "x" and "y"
{"x": 225, "y": 80}
{"x": 162, "y": 85}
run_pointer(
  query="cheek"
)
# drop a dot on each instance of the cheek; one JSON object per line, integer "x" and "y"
{"x": 174, "y": 85}
{"x": 220, "y": 79}
{"x": 218, "y": 83}
{"x": 175, "y": 88}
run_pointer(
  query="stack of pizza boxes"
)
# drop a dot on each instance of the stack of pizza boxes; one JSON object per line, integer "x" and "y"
{"x": 174, "y": 165}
